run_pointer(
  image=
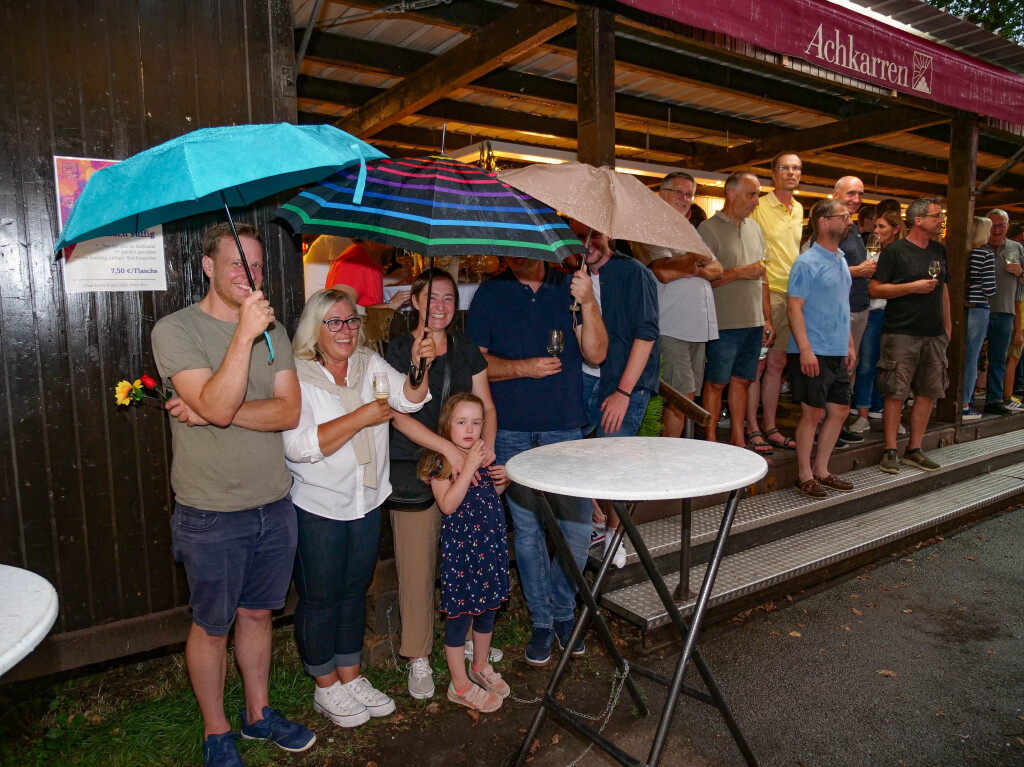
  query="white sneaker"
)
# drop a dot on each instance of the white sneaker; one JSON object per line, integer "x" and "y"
{"x": 902, "y": 431}
{"x": 860, "y": 426}
{"x": 494, "y": 655}
{"x": 377, "y": 703}
{"x": 421, "y": 679}
{"x": 338, "y": 705}
{"x": 619, "y": 560}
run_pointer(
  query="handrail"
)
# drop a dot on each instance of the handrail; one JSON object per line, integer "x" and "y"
{"x": 685, "y": 405}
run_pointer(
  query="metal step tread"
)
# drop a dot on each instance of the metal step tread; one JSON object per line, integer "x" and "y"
{"x": 755, "y": 569}
{"x": 662, "y": 535}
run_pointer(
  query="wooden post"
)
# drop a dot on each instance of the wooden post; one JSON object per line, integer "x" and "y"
{"x": 595, "y": 86}
{"x": 963, "y": 165}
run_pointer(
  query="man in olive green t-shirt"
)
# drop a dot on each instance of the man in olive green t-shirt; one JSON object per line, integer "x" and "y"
{"x": 233, "y": 526}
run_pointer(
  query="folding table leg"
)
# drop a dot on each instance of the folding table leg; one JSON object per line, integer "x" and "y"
{"x": 689, "y": 633}
{"x": 589, "y": 607}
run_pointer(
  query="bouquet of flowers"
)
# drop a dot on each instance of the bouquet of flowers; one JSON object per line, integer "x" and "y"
{"x": 127, "y": 392}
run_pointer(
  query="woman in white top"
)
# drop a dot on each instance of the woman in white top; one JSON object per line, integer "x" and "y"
{"x": 338, "y": 456}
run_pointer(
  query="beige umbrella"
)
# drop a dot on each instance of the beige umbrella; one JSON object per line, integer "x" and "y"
{"x": 615, "y": 204}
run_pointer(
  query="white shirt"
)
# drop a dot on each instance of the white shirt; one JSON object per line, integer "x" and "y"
{"x": 592, "y": 370}
{"x": 686, "y": 307}
{"x": 331, "y": 486}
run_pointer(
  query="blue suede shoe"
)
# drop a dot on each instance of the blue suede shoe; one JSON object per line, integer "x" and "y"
{"x": 563, "y": 631}
{"x": 221, "y": 751}
{"x": 291, "y": 736}
{"x": 538, "y": 649}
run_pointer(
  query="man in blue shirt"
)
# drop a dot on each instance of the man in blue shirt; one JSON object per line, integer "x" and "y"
{"x": 616, "y": 392}
{"x": 539, "y": 400}
{"x": 821, "y": 352}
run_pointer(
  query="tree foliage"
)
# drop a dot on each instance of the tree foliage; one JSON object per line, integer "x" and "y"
{"x": 1005, "y": 18}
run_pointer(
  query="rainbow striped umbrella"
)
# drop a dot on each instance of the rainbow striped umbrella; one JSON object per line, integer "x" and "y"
{"x": 435, "y": 206}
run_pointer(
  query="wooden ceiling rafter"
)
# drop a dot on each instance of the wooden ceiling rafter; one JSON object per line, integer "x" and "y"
{"x": 517, "y": 31}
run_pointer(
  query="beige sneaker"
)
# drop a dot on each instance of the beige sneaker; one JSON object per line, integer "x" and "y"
{"x": 860, "y": 426}
{"x": 475, "y": 697}
{"x": 421, "y": 679}
{"x": 490, "y": 680}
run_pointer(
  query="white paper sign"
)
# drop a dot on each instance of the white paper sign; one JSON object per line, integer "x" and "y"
{"x": 119, "y": 262}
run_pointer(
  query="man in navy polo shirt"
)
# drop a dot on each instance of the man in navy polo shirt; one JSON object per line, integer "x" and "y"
{"x": 539, "y": 399}
{"x": 821, "y": 350}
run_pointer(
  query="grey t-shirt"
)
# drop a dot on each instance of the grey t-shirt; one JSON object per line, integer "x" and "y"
{"x": 1007, "y": 288}
{"x": 738, "y": 304}
{"x": 222, "y": 468}
{"x": 686, "y": 307}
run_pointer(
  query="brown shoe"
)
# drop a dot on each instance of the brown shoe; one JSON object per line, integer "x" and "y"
{"x": 836, "y": 483}
{"x": 811, "y": 488}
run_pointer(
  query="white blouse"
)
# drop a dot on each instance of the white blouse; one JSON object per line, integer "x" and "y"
{"x": 331, "y": 486}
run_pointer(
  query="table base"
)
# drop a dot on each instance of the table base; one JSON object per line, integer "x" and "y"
{"x": 688, "y": 632}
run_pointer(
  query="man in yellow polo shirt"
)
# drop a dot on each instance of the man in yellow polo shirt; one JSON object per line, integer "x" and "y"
{"x": 781, "y": 219}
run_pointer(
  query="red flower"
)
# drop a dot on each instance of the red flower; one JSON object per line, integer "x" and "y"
{"x": 149, "y": 383}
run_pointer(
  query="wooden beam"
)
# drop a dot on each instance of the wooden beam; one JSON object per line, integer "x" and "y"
{"x": 345, "y": 94}
{"x": 363, "y": 56}
{"x": 849, "y": 131}
{"x": 998, "y": 199}
{"x": 963, "y": 167}
{"x": 595, "y": 87}
{"x": 518, "y": 31}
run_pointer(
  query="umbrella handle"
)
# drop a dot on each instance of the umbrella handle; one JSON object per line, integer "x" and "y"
{"x": 248, "y": 272}
{"x": 416, "y": 372}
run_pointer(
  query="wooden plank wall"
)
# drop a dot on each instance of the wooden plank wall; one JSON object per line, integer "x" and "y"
{"x": 84, "y": 485}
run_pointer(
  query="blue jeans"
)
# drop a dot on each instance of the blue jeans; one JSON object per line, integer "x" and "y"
{"x": 333, "y": 568}
{"x": 1000, "y": 332}
{"x": 550, "y": 593}
{"x": 865, "y": 393}
{"x": 234, "y": 559}
{"x": 977, "y": 326}
{"x": 630, "y": 421}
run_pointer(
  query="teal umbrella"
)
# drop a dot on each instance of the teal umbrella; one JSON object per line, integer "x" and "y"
{"x": 210, "y": 169}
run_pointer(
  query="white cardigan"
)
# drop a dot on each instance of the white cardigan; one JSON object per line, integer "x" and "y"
{"x": 332, "y": 486}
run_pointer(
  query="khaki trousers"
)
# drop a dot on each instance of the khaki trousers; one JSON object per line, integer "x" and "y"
{"x": 416, "y": 543}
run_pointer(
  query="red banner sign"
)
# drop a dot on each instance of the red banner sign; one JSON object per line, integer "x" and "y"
{"x": 850, "y": 43}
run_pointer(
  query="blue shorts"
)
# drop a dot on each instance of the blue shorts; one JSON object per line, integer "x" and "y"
{"x": 235, "y": 559}
{"x": 592, "y": 402}
{"x": 735, "y": 353}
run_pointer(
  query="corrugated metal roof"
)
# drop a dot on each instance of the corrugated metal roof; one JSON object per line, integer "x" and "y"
{"x": 948, "y": 30}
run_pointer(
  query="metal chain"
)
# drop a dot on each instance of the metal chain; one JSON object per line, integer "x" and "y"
{"x": 618, "y": 682}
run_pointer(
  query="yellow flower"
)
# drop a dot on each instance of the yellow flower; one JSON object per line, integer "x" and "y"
{"x": 123, "y": 392}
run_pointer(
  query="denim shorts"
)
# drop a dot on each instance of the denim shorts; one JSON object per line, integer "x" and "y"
{"x": 735, "y": 353}
{"x": 630, "y": 421}
{"x": 234, "y": 559}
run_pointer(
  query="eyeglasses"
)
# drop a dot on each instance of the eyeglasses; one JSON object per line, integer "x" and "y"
{"x": 352, "y": 323}
{"x": 846, "y": 216}
{"x": 679, "y": 193}
{"x": 934, "y": 215}
{"x": 788, "y": 168}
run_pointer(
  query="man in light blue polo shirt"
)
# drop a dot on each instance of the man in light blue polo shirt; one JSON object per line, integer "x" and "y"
{"x": 821, "y": 354}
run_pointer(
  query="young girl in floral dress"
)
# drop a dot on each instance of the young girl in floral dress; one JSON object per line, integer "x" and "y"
{"x": 474, "y": 552}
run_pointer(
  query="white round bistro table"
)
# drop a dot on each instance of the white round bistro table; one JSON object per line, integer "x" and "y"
{"x": 28, "y": 608}
{"x": 635, "y": 469}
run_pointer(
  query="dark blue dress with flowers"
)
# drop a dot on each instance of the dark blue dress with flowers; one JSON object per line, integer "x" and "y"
{"x": 474, "y": 553}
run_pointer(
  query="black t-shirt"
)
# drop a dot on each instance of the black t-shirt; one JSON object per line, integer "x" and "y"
{"x": 915, "y": 314}
{"x": 464, "y": 361}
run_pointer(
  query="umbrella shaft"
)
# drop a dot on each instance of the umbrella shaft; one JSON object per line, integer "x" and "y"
{"x": 238, "y": 243}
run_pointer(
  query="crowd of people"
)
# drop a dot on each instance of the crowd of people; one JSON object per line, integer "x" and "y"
{"x": 284, "y": 463}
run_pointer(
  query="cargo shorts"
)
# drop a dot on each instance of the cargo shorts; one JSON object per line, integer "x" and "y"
{"x": 915, "y": 363}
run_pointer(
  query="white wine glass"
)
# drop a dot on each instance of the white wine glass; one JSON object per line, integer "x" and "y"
{"x": 873, "y": 247}
{"x": 934, "y": 269}
{"x": 554, "y": 342}
{"x": 381, "y": 386}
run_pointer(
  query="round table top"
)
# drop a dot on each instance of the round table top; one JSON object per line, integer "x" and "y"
{"x": 28, "y": 608}
{"x": 636, "y": 468}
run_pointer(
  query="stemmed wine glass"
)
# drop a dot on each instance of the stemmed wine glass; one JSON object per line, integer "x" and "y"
{"x": 873, "y": 247}
{"x": 554, "y": 342}
{"x": 934, "y": 269}
{"x": 381, "y": 386}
